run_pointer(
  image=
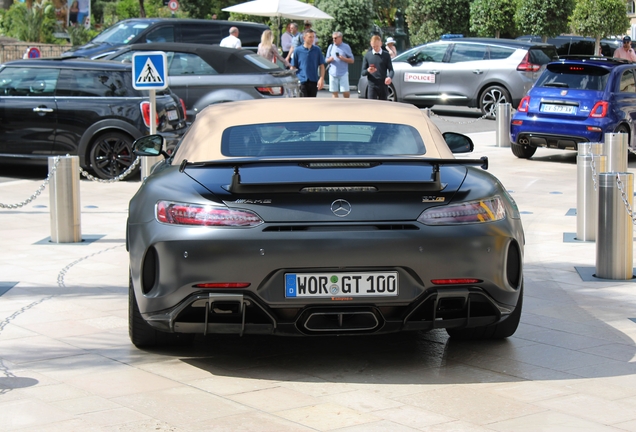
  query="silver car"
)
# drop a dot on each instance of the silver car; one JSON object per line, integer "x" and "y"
{"x": 472, "y": 72}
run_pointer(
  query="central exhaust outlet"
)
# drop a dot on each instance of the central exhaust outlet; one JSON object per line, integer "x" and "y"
{"x": 341, "y": 321}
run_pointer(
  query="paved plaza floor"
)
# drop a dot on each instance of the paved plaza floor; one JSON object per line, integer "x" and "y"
{"x": 66, "y": 363}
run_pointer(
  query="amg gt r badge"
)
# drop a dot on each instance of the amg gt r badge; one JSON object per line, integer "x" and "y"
{"x": 341, "y": 208}
{"x": 253, "y": 201}
{"x": 433, "y": 198}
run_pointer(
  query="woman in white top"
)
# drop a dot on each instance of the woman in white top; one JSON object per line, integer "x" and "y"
{"x": 268, "y": 50}
{"x": 390, "y": 46}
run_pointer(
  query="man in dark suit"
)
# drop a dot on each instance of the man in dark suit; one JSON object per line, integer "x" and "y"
{"x": 377, "y": 67}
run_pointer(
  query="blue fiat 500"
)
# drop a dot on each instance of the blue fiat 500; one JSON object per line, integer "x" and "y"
{"x": 575, "y": 100}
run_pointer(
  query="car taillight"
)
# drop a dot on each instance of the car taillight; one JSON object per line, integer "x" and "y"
{"x": 465, "y": 213}
{"x": 145, "y": 113}
{"x": 600, "y": 109}
{"x": 526, "y": 66}
{"x": 185, "y": 112}
{"x": 271, "y": 91}
{"x": 524, "y": 104}
{"x": 204, "y": 215}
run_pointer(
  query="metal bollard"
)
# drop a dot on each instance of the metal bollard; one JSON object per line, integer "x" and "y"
{"x": 504, "y": 113}
{"x": 590, "y": 156}
{"x": 616, "y": 152}
{"x": 614, "y": 246}
{"x": 65, "y": 200}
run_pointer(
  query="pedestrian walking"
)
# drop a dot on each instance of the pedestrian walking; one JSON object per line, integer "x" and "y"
{"x": 626, "y": 51}
{"x": 307, "y": 59}
{"x": 232, "y": 41}
{"x": 377, "y": 67}
{"x": 268, "y": 50}
{"x": 390, "y": 47}
{"x": 339, "y": 57}
{"x": 296, "y": 41}
{"x": 286, "y": 40}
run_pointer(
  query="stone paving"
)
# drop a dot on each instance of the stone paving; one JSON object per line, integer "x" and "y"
{"x": 66, "y": 363}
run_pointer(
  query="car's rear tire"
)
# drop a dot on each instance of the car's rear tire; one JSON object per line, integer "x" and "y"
{"x": 110, "y": 154}
{"x": 522, "y": 151}
{"x": 490, "y": 98}
{"x": 142, "y": 334}
{"x": 501, "y": 330}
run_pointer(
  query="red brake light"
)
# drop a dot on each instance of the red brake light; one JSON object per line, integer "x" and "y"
{"x": 526, "y": 66}
{"x": 524, "y": 104}
{"x": 463, "y": 281}
{"x": 270, "y": 91}
{"x": 599, "y": 110}
{"x": 223, "y": 285}
{"x": 145, "y": 112}
{"x": 185, "y": 112}
{"x": 204, "y": 215}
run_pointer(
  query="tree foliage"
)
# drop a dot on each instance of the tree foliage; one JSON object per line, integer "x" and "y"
{"x": 599, "y": 18}
{"x": 429, "y": 19}
{"x": 545, "y": 18}
{"x": 385, "y": 11}
{"x": 492, "y": 17}
{"x": 351, "y": 17}
{"x": 30, "y": 24}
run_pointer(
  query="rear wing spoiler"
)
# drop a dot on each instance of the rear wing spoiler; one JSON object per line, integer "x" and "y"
{"x": 433, "y": 184}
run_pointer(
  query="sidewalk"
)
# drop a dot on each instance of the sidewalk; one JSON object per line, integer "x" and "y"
{"x": 66, "y": 363}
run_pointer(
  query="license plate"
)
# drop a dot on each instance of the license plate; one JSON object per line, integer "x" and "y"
{"x": 317, "y": 285}
{"x": 419, "y": 77}
{"x": 562, "y": 109}
{"x": 172, "y": 115}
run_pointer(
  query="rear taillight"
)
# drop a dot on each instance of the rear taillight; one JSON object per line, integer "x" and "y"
{"x": 599, "y": 110}
{"x": 145, "y": 113}
{"x": 204, "y": 215}
{"x": 526, "y": 66}
{"x": 271, "y": 91}
{"x": 185, "y": 112}
{"x": 524, "y": 104}
{"x": 464, "y": 213}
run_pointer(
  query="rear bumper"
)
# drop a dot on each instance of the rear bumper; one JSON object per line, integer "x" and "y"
{"x": 559, "y": 134}
{"x": 234, "y": 313}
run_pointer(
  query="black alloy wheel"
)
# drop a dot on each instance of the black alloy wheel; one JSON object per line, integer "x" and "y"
{"x": 111, "y": 154}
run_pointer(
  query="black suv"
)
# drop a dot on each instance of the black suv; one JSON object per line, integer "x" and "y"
{"x": 80, "y": 107}
{"x": 148, "y": 30}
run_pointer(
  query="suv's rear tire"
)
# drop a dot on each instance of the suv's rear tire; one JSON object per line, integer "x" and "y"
{"x": 522, "y": 151}
{"x": 490, "y": 97}
{"x": 142, "y": 334}
{"x": 110, "y": 154}
{"x": 501, "y": 330}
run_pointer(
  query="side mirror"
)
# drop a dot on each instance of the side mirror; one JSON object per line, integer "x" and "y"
{"x": 458, "y": 143}
{"x": 150, "y": 145}
{"x": 412, "y": 60}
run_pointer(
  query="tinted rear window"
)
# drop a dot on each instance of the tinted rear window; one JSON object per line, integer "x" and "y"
{"x": 95, "y": 83}
{"x": 542, "y": 55}
{"x": 321, "y": 139}
{"x": 579, "y": 77}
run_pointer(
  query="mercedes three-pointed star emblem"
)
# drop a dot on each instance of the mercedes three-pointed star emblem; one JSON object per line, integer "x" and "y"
{"x": 341, "y": 208}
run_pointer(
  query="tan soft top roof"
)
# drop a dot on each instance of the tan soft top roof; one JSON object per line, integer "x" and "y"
{"x": 203, "y": 141}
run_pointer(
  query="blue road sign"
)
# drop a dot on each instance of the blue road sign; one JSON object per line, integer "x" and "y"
{"x": 150, "y": 70}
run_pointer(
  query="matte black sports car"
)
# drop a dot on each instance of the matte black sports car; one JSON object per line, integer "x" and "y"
{"x": 348, "y": 217}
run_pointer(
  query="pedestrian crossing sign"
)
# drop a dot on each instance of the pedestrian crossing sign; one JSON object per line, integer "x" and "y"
{"x": 150, "y": 70}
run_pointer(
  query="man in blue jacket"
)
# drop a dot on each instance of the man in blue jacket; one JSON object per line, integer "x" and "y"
{"x": 307, "y": 59}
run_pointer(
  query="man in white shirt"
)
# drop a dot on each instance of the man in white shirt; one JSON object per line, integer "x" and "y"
{"x": 232, "y": 41}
